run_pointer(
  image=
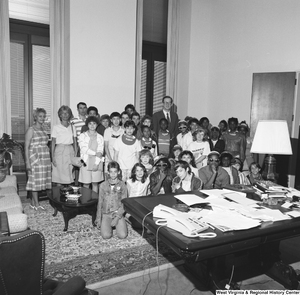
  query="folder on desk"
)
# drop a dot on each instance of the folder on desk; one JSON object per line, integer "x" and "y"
{"x": 191, "y": 199}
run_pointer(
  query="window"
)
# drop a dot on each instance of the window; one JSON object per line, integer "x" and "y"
{"x": 153, "y": 78}
{"x": 154, "y": 55}
{"x": 30, "y": 78}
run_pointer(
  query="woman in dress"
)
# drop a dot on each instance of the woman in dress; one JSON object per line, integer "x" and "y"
{"x": 37, "y": 156}
{"x": 64, "y": 147}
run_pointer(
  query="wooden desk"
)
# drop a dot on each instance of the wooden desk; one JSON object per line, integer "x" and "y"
{"x": 198, "y": 249}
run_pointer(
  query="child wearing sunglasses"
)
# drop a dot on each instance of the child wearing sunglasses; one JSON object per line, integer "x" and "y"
{"x": 184, "y": 138}
{"x": 161, "y": 179}
{"x": 212, "y": 175}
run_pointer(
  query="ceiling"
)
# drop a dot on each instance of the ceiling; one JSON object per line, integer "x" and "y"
{"x": 30, "y": 10}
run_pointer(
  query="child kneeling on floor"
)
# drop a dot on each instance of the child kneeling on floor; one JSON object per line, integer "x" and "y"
{"x": 110, "y": 210}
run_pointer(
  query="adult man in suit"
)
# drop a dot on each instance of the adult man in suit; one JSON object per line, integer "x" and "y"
{"x": 167, "y": 113}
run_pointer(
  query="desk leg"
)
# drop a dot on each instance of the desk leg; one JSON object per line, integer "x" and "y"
{"x": 211, "y": 274}
{"x": 67, "y": 216}
{"x": 94, "y": 213}
{"x": 55, "y": 212}
{"x": 200, "y": 271}
{"x": 66, "y": 219}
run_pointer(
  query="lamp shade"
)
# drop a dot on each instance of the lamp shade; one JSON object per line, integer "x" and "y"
{"x": 272, "y": 137}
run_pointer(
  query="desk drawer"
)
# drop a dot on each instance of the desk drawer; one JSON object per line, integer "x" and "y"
{"x": 220, "y": 250}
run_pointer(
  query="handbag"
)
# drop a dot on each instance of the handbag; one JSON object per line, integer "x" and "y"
{"x": 76, "y": 161}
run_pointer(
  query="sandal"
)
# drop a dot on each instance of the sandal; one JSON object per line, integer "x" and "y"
{"x": 41, "y": 207}
{"x": 33, "y": 207}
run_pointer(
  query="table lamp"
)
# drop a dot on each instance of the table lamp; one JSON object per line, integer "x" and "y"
{"x": 271, "y": 137}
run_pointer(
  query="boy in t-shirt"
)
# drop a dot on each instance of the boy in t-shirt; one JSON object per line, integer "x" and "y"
{"x": 164, "y": 138}
{"x": 110, "y": 136}
{"x": 126, "y": 149}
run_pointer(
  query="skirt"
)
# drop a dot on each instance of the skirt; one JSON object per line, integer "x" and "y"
{"x": 63, "y": 172}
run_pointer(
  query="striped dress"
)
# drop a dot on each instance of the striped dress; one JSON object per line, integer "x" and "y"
{"x": 39, "y": 178}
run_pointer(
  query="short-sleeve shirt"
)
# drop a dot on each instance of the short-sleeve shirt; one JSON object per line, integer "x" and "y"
{"x": 78, "y": 123}
{"x": 62, "y": 134}
{"x": 184, "y": 140}
{"x": 127, "y": 153}
{"x": 222, "y": 178}
{"x": 199, "y": 149}
{"x": 110, "y": 136}
{"x": 137, "y": 188}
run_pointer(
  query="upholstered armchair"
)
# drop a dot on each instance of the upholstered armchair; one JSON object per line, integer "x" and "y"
{"x": 22, "y": 264}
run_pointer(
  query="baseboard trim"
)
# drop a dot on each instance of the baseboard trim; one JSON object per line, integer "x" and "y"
{"x": 133, "y": 275}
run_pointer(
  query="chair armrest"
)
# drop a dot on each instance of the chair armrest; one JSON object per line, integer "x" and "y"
{"x": 10, "y": 180}
{"x": 74, "y": 286}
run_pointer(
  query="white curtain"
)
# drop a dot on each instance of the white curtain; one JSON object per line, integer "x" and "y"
{"x": 172, "y": 49}
{"x": 5, "y": 107}
{"x": 138, "y": 55}
{"x": 60, "y": 55}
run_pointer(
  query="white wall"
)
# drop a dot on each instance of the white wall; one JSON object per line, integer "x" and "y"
{"x": 102, "y": 53}
{"x": 229, "y": 41}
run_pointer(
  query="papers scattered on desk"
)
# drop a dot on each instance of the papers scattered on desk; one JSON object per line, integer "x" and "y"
{"x": 191, "y": 199}
{"x": 219, "y": 192}
{"x": 240, "y": 199}
{"x": 229, "y": 220}
{"x": 293, "y": 213}
{"x": 232, "y": 210}
{"x": 275, "y": 214}
{"x": 292, "y": 192}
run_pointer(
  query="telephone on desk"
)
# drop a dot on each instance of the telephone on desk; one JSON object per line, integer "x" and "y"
{"x": 189, "y": 226}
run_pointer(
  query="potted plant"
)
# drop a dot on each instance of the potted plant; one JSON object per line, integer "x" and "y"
{"x": 7, "y": 147}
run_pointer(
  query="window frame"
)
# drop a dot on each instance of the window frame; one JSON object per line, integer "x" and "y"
{"x": 151, "y": 52}
{"x": 29, "y": 34}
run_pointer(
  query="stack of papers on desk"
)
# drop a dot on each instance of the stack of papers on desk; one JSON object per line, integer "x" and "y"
{"x": 226, "y": 220}
{"x": 220, "y": 192}
{"x": 231, "y": 210}
{"x": 191, "y": 199}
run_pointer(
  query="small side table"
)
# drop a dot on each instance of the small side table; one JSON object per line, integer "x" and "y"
{"x": 4, "y": 227}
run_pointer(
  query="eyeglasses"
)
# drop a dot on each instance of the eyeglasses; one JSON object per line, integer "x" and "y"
{"x": 183, "y": 127}
{"x": 147, "y": 147}
{"x": 162, "y": 165}
{"x": 214, "y": 160}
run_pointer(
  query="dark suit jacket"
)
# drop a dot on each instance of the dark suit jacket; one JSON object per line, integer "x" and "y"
{"x": 172, "y": 126}
{"x": 219, "y": 146}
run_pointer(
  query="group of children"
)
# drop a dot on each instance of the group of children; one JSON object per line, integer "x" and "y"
{"x": 130, "y": 160}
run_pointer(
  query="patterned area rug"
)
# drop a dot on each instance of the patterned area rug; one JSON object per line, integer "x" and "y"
{"x": 82, "y": 251}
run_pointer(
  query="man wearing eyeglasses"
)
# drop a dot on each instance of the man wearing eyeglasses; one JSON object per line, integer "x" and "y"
{"x": 212, "y": 175}
{"x": 168, "y": 114}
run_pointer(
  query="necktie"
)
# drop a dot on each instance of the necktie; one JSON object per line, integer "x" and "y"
{"x": 168, "y": 118}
